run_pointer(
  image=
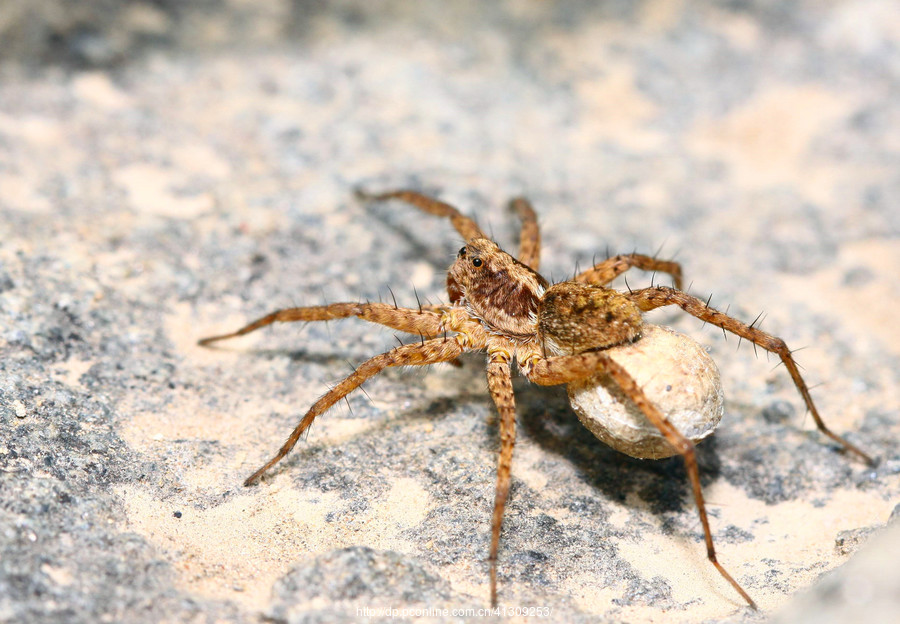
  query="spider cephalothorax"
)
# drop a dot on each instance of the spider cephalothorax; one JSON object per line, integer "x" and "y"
{"x": 579, "y": 332}
{"x": 496, "y": 288}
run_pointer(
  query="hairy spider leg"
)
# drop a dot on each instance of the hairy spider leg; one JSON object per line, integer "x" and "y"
{"x": 498, "y": 370}
{"x": 659, "y": 296}
{"x": 605, "y": 272}
{"x": 500, "y": 385}
{"x": 426, "y": 323}
{"x": 419, "y": 354}
{"x": 567, "y": 368}
{"x": 422, "y": 321}
{"x": 463, "y": 224}
{"x": 529, "y": 235}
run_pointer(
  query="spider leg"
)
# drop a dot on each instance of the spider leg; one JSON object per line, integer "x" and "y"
{"x": 658, "y": 296}
{"x": 463, "y": 224}
{"x": 500, "y": 385}
{"x": 604, "y": 272}
{"x": 425, "y": 321}
{"x": 428, "y": 352}
{"x": 530, "y": 234}
{"x": 567, "y": 368}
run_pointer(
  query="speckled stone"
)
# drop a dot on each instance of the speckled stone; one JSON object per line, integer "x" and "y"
{"x": 169, "y": 172}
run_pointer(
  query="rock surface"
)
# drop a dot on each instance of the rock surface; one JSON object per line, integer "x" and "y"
{"x": 168, "y": 173}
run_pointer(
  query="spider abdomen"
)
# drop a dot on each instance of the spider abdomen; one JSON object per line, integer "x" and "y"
{"x": 575, "y": 317}
{"x": 675, "y": 373}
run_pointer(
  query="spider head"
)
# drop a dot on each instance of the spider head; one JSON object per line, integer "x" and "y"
{"x": 495, "y": 287}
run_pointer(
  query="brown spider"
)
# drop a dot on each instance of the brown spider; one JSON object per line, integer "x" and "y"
{"x": 564, "y": 333}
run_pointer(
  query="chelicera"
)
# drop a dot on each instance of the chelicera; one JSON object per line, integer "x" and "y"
{"x": 578, "y": 332}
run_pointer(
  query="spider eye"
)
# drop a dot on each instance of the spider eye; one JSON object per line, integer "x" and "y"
{"x": 476, "y": 262}
{"x": 462, "y": 253}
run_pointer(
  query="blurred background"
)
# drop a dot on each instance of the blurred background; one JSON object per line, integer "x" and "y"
{"x": 171, "y": 170}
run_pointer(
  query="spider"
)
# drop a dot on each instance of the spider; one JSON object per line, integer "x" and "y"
{"x": 564, "y": 333}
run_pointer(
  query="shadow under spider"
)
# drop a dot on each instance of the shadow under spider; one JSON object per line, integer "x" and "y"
{"x": 548, "y": 419}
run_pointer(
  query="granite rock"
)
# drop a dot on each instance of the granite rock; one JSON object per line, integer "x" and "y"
{"x": 187, "y": 168}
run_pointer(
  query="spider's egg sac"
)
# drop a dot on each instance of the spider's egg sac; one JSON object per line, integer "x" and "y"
{"x": 676, "y": 374}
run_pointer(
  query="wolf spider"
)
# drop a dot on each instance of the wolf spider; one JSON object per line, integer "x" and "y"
{"x": 557, "y": 334}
